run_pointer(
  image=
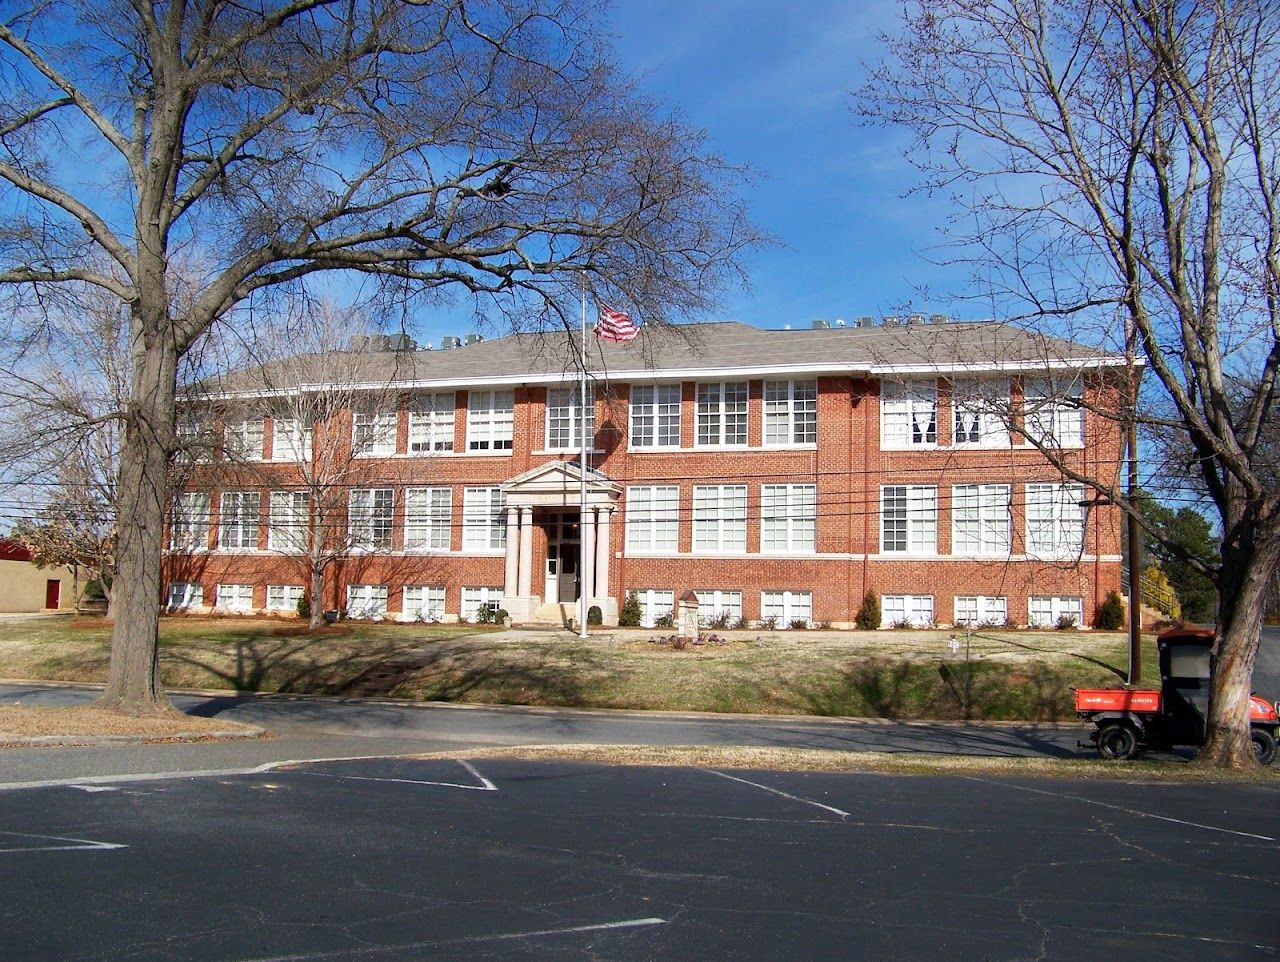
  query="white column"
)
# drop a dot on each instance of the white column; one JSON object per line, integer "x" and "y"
{"x": 509, "y": 584}
{"x": 603, "y": 551}
{"x": 526, "y": 552}
{"x": 587, "y": 531}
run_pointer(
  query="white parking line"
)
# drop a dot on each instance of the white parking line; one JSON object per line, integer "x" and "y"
{"x": 77, "y": 844}
{"x": 774, "y": 791}
{"x": 484, "y": 786}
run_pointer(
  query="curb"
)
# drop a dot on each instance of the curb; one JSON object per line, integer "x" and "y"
{"x": 251, "y": 731}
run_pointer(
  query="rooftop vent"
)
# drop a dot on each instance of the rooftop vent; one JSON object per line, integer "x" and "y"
{"x": 914, "y": 319}
{"x": 866, "y": 320}
{"x": 450, "y": 342}
{"x": 474, "y": 338}
{"x": 403, "y": 342}
{"x": 840, "y": 322}
{"x": 937, "y": 318}
{"x": 821, "y": 325}
{"x": 358, "y": 342}
{"x": 891, "y": 320}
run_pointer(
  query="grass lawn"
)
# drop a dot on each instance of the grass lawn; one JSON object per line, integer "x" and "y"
{"x": 896, "y": 674}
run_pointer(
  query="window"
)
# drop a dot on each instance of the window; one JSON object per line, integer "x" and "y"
{"x": 720, "y": 518}
{"x": 908, "y": 414}
{"x": 473, "y": 599}
{"x": 284, "y": 597}
{"x": 238, "y": 519}
{"x": 490, "y": 420}
{"x": 423, "y": 603}
{"x": 243, "y": 439}
{"x": 291, "y": 440}
{"x": 913, "y": 610}
{"x": 1054, "y": 412}
{"x": 369, "y": 518}
{"x": 484, "y": 520}
{"x": 1055, "y": 520}
{"x": 428, "y": 515}
{"x": 980, "y": 519}
{"x": 195, "y": 442}
{"x": 189, "y": 529}
{"x": 655, "y": 415}
{"x": 655, "y": 604}
{"x": 722, "y": 606}
{"x": 785, "y": 607}
{"x": 981, "y": 410}
{"x": 1048, "y": 611}
{"x": 975, "y": 610}
{"x": 184, "y": 595}
{"x": 431, "y": 423}
{"x": 287, "y": 521}
{"x": 653, "y": 518}
{"x": 722, "y": 414}
{"x": 564, "y": 418}
{"x": 790, "y": 412}
{"x": 235, "y": 597}
{"x": 373, "y": 431}
{"x": 788, "y": 517}
{"x": 367, "y": 602}
{"x": 909, "y": 518}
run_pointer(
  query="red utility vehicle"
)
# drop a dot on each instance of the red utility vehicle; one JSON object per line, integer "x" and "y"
{"x": 1131, "y": 719}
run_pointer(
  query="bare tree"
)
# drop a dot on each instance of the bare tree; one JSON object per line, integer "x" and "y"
{"x": 212, "y": 154}
{"x": 1116, "y": 162}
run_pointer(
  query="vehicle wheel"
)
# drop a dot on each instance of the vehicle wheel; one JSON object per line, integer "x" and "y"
{"x": 1117, "y": 741}
{"x": 1264, "y": 746}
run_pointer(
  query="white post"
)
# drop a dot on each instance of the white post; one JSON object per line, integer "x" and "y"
{"x": 526, "y": 553}
{"x": 511, "y": 585}
{"x": 588, "y": 535}
{"x": 582, "y": 486}
{"x": 601, "y": 574}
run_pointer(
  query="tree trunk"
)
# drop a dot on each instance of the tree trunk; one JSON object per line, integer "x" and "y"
{"x": 317, "y": 593}
{"x": 133, "y": 683}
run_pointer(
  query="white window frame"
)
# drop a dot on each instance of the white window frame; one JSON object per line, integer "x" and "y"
{"x": 786, "y": 607}
{"x": 370, "y": 517}
{"x": 981, "y": 519}
{"x": 423, "y": 603}
{"x": 235, "y": 597}
{"x": 183, "y": 595}
{"x": 980, "y": 412}
{"x": 287, "y": 517}
{"x": 655, "y": 603}
{"x": 720, "y": 518}
{"x": 653, "y": 518}
{"x": 916, "y": 508}
{"x": 1053, "y": 411}
{"x": 980, "y": 610}
{"x": 194, "y": 438}
{"x": 242, "y": 439}
{"x": 908, "y": 414}
{"x": 285, "y": 597}
{"x": 788, "y": 518}
{"x": 189, "y": 524}
{"x": 713, "y": 602}
{"x": 916, "y": 610}
{"x": 367, "y": 602}
{"x": 239, "y": 517}
{"x": 1043, "y": 611}
{"x": 562, "y": 428}
{"x": 291, "y": 440}
{"x": 723, "y": 414}
{"x": 428, "y": 519}
{"x": 1056, "y": 520}
{"x": 475, "y": 597}
{"x": 655, "y": 411}
{"x": 431, "y": 422}
{"x": 484, "y": 519}
{"x": 790, "y": 413}
{"x": 373, "y": 431}
{"x": 490, "y": 421}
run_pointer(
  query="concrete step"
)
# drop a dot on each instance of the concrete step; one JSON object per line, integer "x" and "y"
{"x": 557, "y": 614}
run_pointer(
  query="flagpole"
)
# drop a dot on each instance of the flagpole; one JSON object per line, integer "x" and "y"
{"x": 582, "y": 484}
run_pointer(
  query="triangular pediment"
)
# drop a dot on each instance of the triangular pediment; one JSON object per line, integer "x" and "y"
{"x": 559, "y": 482}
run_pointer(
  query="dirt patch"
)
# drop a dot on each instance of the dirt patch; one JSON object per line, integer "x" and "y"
{"x": 24, "y": 722}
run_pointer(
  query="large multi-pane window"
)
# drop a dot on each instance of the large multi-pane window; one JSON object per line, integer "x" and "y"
{"x": 431, "y": 422}
{"x": 915, "y": 611}
{"x": 476, "y": 599}
{"x": 369, "y": 517}
{"x": 287, "y": 521}
{"x": 655, "y": 415}
{"x": 243, "y": 439}
{"x": 790, "y": 412}
{"x": 981, "y": 412}
{"x": 722, "y": 414}
{"x": 428, "y": 515}
{"x": 235, "y": 597}
{"x": 373, "y": 431}
{"x": 718, "y": 607}
{"x": 284, "y": 597}
{"x": 1054, "y": 412}
{"x": 423, "y": 603}
{"x": 195, "y": 440}
{"x": 367, "y": 602}
{"x": 655, "y": 604}
{"x": 980, "y": 519}
{"x": 484, "y": 520}
{"x": 785, "y": 608}
{"x": 238, "y": 519}
{"x": 788, "y": 517}
{"x": 1055, "y": 520}
{"x": 909, "y": 518}
{"x": 1050, "y": 611}
{"x": 975, "y": 610}
{"x": 189, "y": 530}
{"x": 184, "y": 595}
{"x": 908, "y": 414}
{"x": 291, "y": 440}
{"x": 565, "y": 411}
{"x": 653, "y": 518}
{"x": 720, "y": 517}
{"x": 490, "y": 420}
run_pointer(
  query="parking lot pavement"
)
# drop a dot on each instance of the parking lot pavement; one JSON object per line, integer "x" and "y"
{"x": 499, "y": 859}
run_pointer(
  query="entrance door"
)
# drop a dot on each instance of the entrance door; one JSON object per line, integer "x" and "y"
{"x": 562, "y": 558}
{"x": 53, "y": 594}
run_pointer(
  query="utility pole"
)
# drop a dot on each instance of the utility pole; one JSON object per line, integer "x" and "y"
{"x": 1134, "y": 530}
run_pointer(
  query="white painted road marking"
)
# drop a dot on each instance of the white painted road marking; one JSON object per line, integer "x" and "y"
{"x": 76, "y": 844}
{"x": 774, "y": 791}
{"x": 484, "y": 786}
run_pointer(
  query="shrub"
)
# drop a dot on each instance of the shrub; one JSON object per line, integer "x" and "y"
{"x": 721, "y": 621}
{"x": 595, "y": 616}
{"x": 1110, "y": 614}
{"x": 1066, "y": 622}
{"x": 664, "y": 621}
{"x": 304, "y": 607}
{"x": 798, "y": 623}
{"x": 741, "y": 624}
{"x": 483, "y": 615}
{"x": 824, "y": 626}
{"x": 630, "y": 615}
{"x": 869, "y": 614}
{"x": 501, "y": 616}
{"x": 902, "y": 623}
{"x": 770, "y": 623}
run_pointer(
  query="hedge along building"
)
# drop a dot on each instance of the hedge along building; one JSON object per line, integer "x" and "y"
{"x": 780, "y": 475}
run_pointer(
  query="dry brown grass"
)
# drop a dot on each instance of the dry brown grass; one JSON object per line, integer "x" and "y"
{"x": 27, "y": 721}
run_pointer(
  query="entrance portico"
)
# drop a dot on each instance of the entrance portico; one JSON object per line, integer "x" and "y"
{"x": 547, "y": 499}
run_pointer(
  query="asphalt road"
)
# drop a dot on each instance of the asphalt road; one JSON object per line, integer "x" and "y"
{"x": 404, "y": 860}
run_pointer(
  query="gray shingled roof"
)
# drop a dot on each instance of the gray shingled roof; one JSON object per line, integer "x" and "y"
{"x": 730, "y": 347}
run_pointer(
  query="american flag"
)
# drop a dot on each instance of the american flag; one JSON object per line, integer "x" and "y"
{"x": 616, "y": 326}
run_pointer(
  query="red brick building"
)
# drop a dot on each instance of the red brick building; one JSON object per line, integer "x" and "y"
{"x": 781, "y": 475}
